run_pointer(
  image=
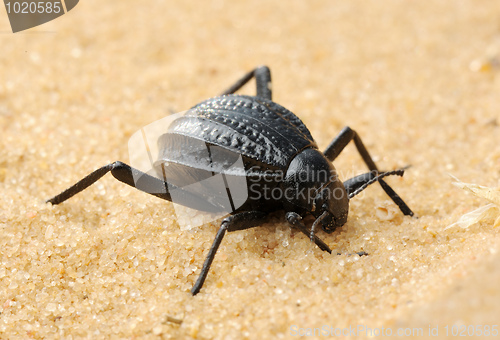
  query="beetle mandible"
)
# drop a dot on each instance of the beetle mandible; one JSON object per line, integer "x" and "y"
{"x": 278, "y": 152}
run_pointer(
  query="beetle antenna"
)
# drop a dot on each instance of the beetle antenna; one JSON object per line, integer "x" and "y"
{"x": 315, "y": 223}
{"x": 399, "y": 172}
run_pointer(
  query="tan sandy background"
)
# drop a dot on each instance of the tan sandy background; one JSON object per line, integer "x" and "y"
{"x": 419, "y": 81}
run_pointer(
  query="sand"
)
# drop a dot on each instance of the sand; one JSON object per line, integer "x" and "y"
{"x": 419, "y": 82}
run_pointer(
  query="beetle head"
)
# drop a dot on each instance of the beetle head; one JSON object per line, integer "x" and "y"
{"x": 316, "y": 187}
{"x": 331, "y": 206}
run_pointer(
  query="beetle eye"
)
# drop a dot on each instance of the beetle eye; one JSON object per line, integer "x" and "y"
{"x": 324, "y": 215}
{"x": 328, "y": 221}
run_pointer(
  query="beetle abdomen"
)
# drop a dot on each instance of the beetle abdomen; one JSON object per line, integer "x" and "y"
{"x": 257, "y": 129}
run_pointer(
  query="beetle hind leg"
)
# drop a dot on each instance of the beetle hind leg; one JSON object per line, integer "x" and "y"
{"x": 262, "y": 76}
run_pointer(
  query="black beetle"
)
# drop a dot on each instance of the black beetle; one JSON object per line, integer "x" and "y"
{"x": 278, "y": 152}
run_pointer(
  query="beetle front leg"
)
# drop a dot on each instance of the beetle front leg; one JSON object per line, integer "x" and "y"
{"x": 340, "y": 142}
{"x": 262, "y": 76}
{"x": 239, "y": 221}
{"x": 294, "y": 220}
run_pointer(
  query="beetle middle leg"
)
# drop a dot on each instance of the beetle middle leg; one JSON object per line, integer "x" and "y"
{"x": 262, "y": 76}
{"x": 239, "y": 221}
{"x": 340, "y": 142}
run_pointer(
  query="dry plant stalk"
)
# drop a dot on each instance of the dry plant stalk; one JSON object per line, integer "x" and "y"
{"x": 489, "y": 212}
